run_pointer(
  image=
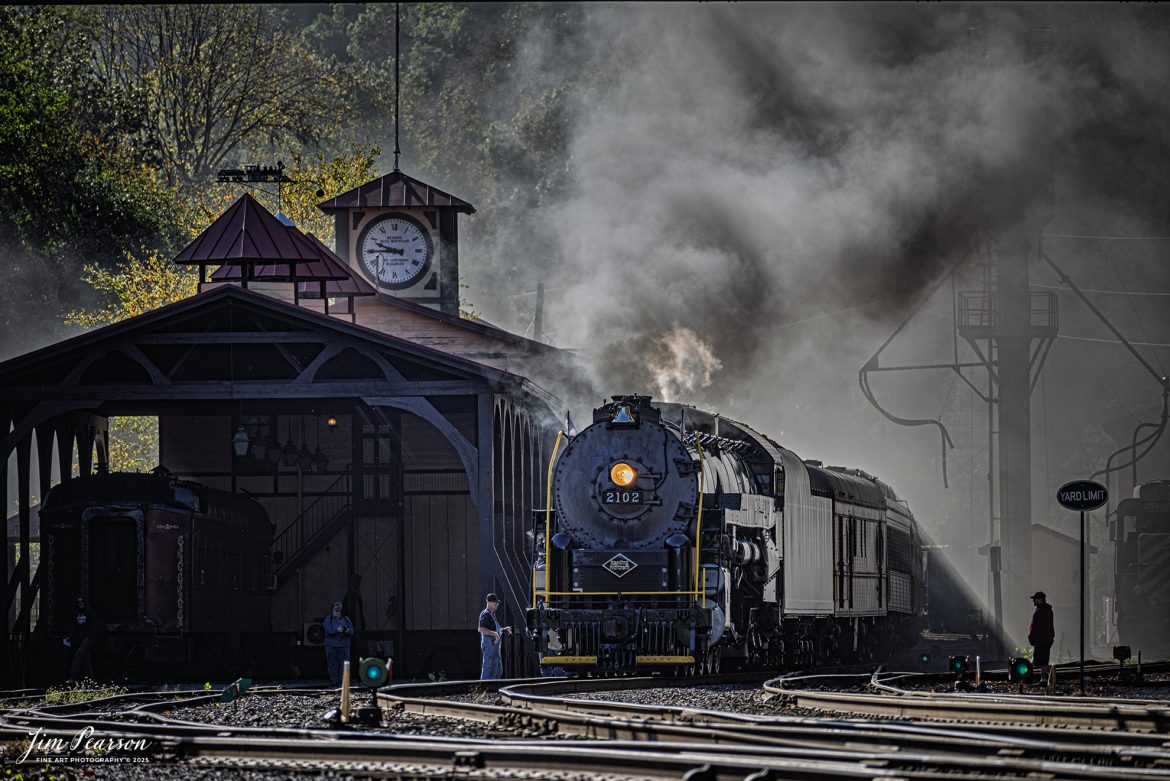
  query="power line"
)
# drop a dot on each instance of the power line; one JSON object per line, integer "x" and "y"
{"x": 1136, "y": 314}
{"x": 830, "y": 314}
{"x": 1110, "y": 292}
{"x": 1108, "y": 238}
{"x": 1110, "y": 341}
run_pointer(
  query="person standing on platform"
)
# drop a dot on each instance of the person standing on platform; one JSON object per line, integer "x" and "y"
{"x": 490, "y": 635}
{"x": 82, "y": 640}
{"x": 338, "y": 631}
{"x": 1041, "y": 632}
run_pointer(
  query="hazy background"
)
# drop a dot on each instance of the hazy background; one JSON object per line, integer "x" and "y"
{"x": 734, "y": 205}
{"x": 761, "y": 194}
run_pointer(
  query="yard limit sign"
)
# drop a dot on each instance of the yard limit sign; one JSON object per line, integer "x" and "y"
{"x": 1082, "y": 496}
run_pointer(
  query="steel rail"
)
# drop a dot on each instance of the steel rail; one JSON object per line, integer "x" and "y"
{"x": 884, "y": 683}
{"x": 540, "y": 697}
{"x": 231, "y": 745}
{"x": 631, "y": 721}
{"x": 972, "y": 707}
{"x": 417, "y": 758}
{"x": 688, "y": 762}
{"x": 439, "y": 757}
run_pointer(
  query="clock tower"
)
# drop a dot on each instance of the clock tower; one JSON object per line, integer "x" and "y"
{"x": 402, "y": 235}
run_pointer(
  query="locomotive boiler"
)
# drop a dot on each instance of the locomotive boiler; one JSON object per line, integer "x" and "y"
{"x": 679, "y": 539}
{"x": 176, "y": 573}
{"x": 1142, "y": 535}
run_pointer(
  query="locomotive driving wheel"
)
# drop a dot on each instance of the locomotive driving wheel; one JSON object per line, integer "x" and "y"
{"x": 708, "y": 663}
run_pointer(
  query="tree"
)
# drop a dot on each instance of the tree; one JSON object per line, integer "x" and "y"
{"x": 315, "y": 177}
{"x": 485, "y": 111}
{"x": 133, "y": 443}
{"x": 138, "y": 285}
{"x": 145, "y": 282}
{"x": 70, "y": 189}
{"x": 215, "y": 81}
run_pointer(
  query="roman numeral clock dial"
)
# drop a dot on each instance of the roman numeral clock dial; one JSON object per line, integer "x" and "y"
{"x": 395, "y": 251}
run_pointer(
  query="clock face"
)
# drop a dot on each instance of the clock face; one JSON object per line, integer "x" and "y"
{"x": 395, "y": 250}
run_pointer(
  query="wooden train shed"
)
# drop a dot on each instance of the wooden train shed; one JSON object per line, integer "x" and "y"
{"x": 400, "y": 476}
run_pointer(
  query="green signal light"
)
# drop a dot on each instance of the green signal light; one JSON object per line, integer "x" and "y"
{"x": 958, "y": 664}
{"x": 1020, "y": 669}
{"x": 924, "y": 658}
{"x": 374, "y": 672}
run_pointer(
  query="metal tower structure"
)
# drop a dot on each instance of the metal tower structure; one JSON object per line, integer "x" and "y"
{"x": 1011, "y": 329}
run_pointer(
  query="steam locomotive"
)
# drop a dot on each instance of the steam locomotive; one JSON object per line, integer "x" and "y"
{"x": 175, "y": 572}
{"x": 1142, "y": 534}
{"x": 679, "y": 539}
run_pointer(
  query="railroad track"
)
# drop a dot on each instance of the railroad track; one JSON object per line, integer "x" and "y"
{"x": 554, "y": 706}
{"x": 893, "y": 695}
{"x": 627, "y": 741}
{"x": 381, "y": 756}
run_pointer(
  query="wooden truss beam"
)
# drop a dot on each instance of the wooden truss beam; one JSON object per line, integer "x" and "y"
{"x": 219, "y": 390}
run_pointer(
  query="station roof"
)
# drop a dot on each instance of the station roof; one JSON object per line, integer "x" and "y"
{"x": 244, "y": 234}
{"x": 233, "y": 344}
{"x": 353, "y": 286}
{"x": 327, "y": 266}
{"x": 395, "y": 189}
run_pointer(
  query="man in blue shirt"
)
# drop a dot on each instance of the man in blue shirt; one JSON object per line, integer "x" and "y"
{"x": 338, "y": 631}
{"x": 490, "y": 635}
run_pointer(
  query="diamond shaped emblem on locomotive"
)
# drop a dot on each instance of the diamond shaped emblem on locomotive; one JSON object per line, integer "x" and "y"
{"x": 620, "y": 565}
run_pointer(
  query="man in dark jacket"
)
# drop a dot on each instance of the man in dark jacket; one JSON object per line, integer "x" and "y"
{"x": 1041, "y": 632}
{"x": 82, "y": 640}
{"x": 338, "y": 630}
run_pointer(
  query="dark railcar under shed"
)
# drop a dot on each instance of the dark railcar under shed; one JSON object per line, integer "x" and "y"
{"x": 174, "y": 571}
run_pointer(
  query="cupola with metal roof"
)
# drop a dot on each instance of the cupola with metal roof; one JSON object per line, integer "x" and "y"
{"x": 253, "y": 247}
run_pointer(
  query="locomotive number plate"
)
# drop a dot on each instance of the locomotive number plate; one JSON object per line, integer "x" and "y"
{"x": 621, "y": 497}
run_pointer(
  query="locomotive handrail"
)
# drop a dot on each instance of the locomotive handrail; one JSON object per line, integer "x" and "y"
{"x": 700, "y": 588}
{"x": 547, "y": 523}
{"x": 619, "y": 593}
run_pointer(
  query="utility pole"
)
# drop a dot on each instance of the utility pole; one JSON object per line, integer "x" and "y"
{"x": 1019, "y": 329}
{"x": 1011, "y": 329}
{"x": 1011, "y": 343}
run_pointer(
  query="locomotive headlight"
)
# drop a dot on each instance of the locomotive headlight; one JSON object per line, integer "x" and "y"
{"x": 622, "y": 474}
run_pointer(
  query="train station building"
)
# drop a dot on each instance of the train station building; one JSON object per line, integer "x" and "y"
{"x": 398, "y": 449}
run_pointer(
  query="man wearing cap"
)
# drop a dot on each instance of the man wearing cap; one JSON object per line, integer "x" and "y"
{"x": 490, "y": 634}
{"x": 1041, "y": 632}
